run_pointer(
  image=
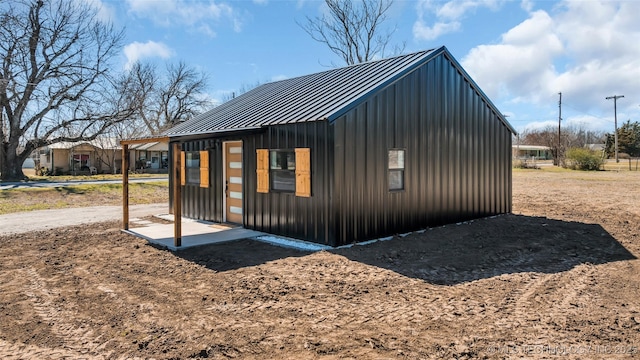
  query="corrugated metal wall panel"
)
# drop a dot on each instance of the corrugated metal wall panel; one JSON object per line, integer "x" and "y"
{"x": 457, "y": 156}
{"x": 284, "y": 213}
{"x": 203, "y": 203}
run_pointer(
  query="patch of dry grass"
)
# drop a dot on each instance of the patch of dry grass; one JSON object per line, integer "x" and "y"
{"x": 91, "y": 177}
{"x": 28, "y": 199}
{"x": 610, "y": 165}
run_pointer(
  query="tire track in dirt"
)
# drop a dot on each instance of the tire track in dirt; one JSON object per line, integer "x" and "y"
{"x": 514, "y": 306}
{"x": 525, "y": 297}
{"x": 83, "y": 342}
{"x": 12, "y": 351}
{"x": 544, "y": 302}
{"x": 573, "y": 290}
{"x": 567, "y": 286}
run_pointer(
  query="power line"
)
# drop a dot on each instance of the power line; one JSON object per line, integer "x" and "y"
{"x": 586, "y": 113}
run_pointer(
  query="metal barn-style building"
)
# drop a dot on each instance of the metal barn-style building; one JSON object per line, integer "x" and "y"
{"x": 349, "y": 154}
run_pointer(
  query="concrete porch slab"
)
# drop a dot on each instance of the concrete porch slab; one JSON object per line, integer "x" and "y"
{"x": 194, "y": 233}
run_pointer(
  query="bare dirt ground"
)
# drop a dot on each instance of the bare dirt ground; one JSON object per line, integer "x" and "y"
{"x": 558, "y": 278}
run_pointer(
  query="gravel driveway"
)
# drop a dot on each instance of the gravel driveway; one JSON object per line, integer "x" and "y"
{"x": 22, "y": 222}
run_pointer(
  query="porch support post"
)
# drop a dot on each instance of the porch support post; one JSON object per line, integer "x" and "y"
{"x": 177, "y": 196}
{"x": 125, "y": 186}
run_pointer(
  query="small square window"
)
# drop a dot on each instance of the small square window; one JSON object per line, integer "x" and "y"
{"x": 283, "y": 170}
{"x": 396, "y": 169}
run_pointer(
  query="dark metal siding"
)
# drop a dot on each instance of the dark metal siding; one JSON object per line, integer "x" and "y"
{"x": 197, "y": 202}
{"x": 457, "y": 164}
{"x": 284, "y": 213}
{"x": 278, "y": 213}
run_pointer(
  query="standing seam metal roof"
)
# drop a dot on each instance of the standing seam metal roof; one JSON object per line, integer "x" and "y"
{"x": 319, "y": 96}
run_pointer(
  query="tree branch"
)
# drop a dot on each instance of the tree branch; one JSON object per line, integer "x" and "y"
{"x": 352, "y": 30}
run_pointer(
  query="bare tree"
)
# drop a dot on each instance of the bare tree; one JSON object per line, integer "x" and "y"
{"x": 54, "y": 78}
{"x": 352, "y": 29}
{"x": 571, "y": 137}
{"x": 106, "y": 148}
{"x": 168, "y": 99}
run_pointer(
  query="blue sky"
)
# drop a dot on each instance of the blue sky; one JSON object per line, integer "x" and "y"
{"x": 521, "y": 53}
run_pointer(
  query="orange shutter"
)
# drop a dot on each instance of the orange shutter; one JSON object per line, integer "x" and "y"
{"x": 303, "y": 172}
{"x": 262, "y": 170}
{"x": 204, "y": 168}
{"x": 183, "y": 165}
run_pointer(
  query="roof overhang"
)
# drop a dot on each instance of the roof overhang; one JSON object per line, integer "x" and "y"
{"x": 530, "y": 147}
{"x": 215, "y": 133}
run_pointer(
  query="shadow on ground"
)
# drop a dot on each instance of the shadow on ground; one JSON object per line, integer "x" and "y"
{"x": 451, "y": 254}
{"x": 491, "y": 247}
{"x": 237, "y": 254}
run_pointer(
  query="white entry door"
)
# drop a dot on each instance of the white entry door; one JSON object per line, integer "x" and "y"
{"x": 233, "y": 181}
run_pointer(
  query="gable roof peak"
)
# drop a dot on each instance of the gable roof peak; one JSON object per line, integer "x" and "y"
{"x": 313, "y": 97}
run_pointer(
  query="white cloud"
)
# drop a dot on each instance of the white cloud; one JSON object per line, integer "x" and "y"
{"x": 587, "y": 122}
{"x": 584, "y": 122}
{"x": 540, "y": 125}
{"x": 456, "y": 9}
{"x": 526, "y": 5}
{"x": 197, "y": 15}
{"x": 586, "y": 49}
{"x": 261, "y": 2}
{"x": 106, "y": 13}
{"x": 424, "y": 32}
{"x": 207, "y": 30}
{"x": 137, "y": 51}
{"x": 447, "y": 15}
{"x": 523, "y": 59}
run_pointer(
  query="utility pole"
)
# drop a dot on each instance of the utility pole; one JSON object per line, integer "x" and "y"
{"x": 559, "y": 120}
{"x": 3, "y": 88}
{"x": 615, "y": 117}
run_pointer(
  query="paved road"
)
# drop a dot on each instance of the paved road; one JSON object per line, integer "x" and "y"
{"x": 49, "y": 219}
{"x": 38, "y": 184}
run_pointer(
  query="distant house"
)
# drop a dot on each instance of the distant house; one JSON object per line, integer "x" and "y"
{"x": 102, "y": 155}
{"x": 527, "y": 152}
{"x": 150, "y": 157}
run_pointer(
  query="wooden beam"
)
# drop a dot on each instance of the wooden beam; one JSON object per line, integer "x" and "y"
{"x": 145, "y": 140}
{"x": 177, "y": 196}
{"x": 125, "y": 186}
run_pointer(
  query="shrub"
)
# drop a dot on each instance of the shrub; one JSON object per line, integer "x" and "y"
{"x": 583, "y": 159}
{"x": 524, "y": 164}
